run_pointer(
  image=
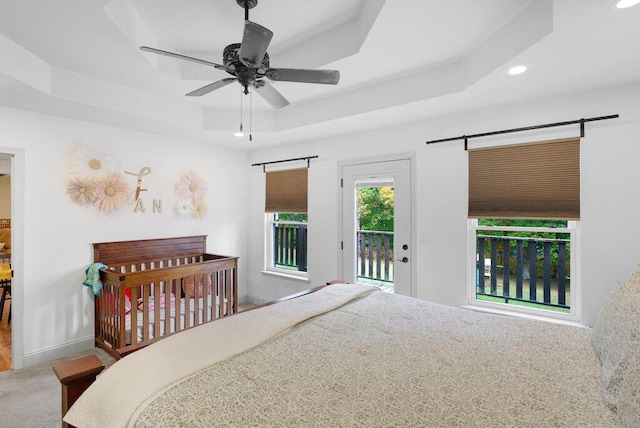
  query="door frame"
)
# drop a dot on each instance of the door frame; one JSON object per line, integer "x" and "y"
{"x": 411, "y": 157}
{"x": 17, "y": 254}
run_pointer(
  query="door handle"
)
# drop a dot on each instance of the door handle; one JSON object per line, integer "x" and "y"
{"x": 403, "y": 260}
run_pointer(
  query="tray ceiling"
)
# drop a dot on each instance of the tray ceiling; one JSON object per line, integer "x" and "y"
{"x": 399, "y": 60}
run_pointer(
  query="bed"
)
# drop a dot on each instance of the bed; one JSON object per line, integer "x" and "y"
{"x": 351, "y": 355}
{"x": 153, "y": 288}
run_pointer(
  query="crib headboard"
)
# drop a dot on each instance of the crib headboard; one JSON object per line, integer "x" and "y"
{"x": 125, "y": 253}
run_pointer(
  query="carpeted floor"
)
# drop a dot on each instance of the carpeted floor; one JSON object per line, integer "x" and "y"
{"x": 30, "y": 397}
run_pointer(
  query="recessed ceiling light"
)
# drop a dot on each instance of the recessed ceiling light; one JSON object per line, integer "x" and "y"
{"x": 517, "y": 69}
{"x": 623, "y": 4}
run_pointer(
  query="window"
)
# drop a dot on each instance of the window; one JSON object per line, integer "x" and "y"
{"x": 287, "y": 242}
{"x": 286, "y": 222}
{"x": 526, "y": 264}
{"x": 524, "y": 211}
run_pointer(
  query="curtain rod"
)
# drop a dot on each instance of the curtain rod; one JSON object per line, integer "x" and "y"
{"x": 526, "y": 128}
{"x": 262, "y": 164}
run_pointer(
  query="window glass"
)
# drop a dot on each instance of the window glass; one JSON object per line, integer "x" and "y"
{"x": 287, "y": 243}
{"x": 525, "y": 263}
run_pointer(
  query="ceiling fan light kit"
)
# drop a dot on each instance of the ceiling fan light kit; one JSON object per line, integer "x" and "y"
{"x": 248, "y": 63}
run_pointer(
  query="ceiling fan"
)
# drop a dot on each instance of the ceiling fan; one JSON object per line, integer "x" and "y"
{"x": 248, "y": 62}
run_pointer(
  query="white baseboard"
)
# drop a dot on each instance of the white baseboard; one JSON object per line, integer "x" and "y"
{"x": 256, "y": 300}
{"x": 89, "y": 342}
{"x": 244, "y": 299}
{"x": 59, "y": 351}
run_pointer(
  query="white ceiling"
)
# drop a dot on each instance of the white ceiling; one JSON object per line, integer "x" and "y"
{"x": 399, "y": 60}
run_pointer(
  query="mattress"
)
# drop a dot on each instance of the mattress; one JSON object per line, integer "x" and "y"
{"x": 172, "y": 317}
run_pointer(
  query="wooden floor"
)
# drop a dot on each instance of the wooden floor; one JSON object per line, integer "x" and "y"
{"x": 5, "y": 340}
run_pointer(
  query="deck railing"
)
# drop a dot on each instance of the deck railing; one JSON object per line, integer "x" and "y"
{"x": 533, "y": 270}
{"x": 375, "y": 251}
{"x": 290, "y": 246}
{"x": 375, "y": 255}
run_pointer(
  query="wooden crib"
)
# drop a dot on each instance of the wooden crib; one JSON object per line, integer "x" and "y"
{"x": 156, "y": 287}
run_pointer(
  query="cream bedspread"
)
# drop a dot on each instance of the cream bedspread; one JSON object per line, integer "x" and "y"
{"x": 123, "y": 390}
{"x": 388, "y": 360}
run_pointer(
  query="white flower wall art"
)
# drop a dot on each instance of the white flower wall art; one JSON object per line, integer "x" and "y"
{"x": 191, "y": 191}
{"x": 95, "y": 181}
{"x": 112, "y": 192}
{"x": 81, "y": 191}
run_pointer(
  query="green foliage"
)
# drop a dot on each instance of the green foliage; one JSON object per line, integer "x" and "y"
{"x": 375, "y": 208}
{"x": 291, "y": 217}
{"x": 521, "y": 223}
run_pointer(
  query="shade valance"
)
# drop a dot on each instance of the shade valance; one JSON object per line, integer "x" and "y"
{"x": 286, "y": 191}
{"x": 530, "y": 181}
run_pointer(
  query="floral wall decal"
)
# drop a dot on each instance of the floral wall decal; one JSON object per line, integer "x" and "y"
{"x": 81, "y": 191}
{"x": 111, "y": 192}
{"x": 89, "y": 164}
{"x": 95, "y": 181}
{"x": 191, "y": 190}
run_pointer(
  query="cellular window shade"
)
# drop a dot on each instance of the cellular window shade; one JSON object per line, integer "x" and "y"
{"x": 527, "y": 181}
{"x": 286, "y": 191}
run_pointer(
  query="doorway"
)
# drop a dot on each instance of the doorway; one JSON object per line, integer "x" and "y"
{"x": 377, "y": 225}
{"x": 5, "y": 263}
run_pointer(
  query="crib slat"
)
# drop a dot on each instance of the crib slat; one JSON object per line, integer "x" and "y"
{"x": 199, "y": 292}
{"x": 156, "y": 310}
{"x": 206, "y": 280}
{"x": 187, "y": 302}
{"x": 109, "y": 316}
{"x": 220, "y": 295}
{"x": 145, "y": 312}
{"x": 227, "y": 291}
{"x": 117, "y": 314}
{"x": 134, "y": 315}
{"x": 99, "y": 318}
{"x": 168, "y": 291}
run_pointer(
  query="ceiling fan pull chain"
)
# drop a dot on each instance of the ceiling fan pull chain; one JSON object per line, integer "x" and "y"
{"x": 250, "y": 115}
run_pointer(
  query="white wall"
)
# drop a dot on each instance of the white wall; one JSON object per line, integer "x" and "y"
{"x": 610, "y": 202}
{"x": 57, "y": 309}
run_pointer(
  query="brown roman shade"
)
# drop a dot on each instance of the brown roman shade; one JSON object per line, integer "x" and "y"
{"x": 286, "y": 191}
{"x": 528, "y": 181}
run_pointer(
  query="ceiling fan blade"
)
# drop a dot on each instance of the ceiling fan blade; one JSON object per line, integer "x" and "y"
{"x": 255, "y": 42}
{"x": 180, "y": 56}
{"x": 211, "y": 87}
{"x": 271, "y": 95}
{"x": 327, "y": 77}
